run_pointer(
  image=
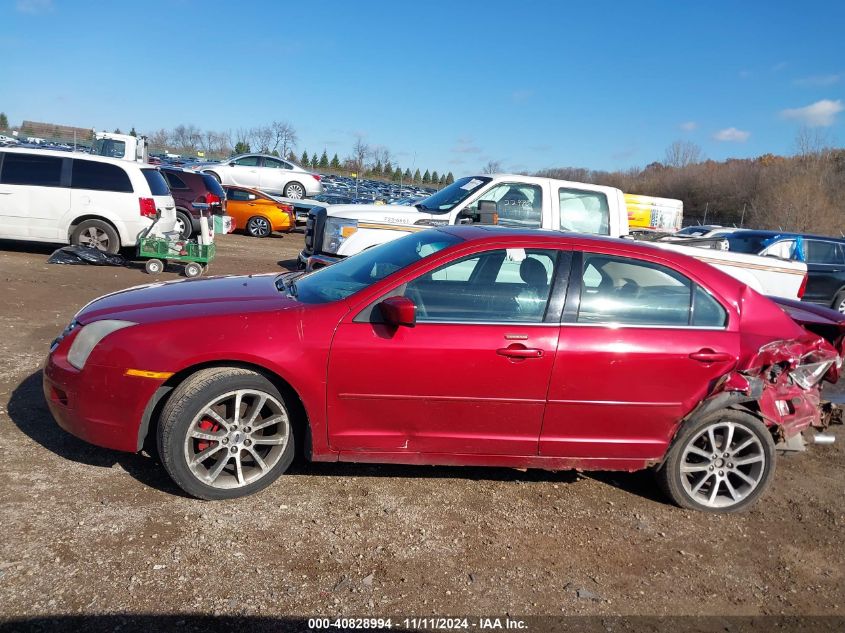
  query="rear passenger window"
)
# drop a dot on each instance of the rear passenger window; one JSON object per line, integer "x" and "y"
{"x": 31, "y": 169}
{"x": 584, "y": 211}
{"x": 623, "y": 291}
{"x": 823, "y": 252}
{"x": 157, "y": 183}
{"x": 174, "y": 181}
{"x": 89, "y": 174}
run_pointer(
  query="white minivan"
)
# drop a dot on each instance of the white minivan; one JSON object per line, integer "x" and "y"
{"x": 53, "y": 196}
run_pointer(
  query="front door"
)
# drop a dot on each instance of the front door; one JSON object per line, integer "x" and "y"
{"x": 246, "y": 171}
{"x": 470, "y": 377}
{"x": 640, "y": 346}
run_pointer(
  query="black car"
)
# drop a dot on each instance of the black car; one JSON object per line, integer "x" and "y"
{"x": 193, "y": 193}
{"x": 824, "y": 256}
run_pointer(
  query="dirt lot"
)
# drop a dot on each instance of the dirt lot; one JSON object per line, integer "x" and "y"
{"x": 90, "y": 531}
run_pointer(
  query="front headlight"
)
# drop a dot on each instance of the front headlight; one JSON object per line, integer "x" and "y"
{"x": 89, "y": 336}
{"x": 337, "y": 231}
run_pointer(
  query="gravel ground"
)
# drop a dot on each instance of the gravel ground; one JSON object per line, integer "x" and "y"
{"x": 87, "y": 531}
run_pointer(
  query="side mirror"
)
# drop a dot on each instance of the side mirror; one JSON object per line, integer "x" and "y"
{"x": 399, "y": 311}
{"x": 487, "y": 212}
{"x": 233, "y": 164}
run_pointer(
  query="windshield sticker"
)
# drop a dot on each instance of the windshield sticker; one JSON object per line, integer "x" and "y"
{"x": 472, "y": 184}
{"x": 515, "y": 254}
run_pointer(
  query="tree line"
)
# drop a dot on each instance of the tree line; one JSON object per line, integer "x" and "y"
{"x": 804, "y": 192}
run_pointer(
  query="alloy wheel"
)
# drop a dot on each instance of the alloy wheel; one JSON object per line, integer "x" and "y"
{"x": 94, "y": 237}
{"x": 237, "y": 439}
{"x": 295, "y": 191}
{"x": 723, "y": 464}
{"x": 259, "y": 227}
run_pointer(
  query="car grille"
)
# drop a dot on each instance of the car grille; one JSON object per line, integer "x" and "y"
{"x": 314, "y": 229}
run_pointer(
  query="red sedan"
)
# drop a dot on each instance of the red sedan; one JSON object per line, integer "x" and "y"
{"x": 462, "y": 345}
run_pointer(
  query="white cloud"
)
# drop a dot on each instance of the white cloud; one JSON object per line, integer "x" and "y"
{"x": 688, "y": 126}
{"x": 34, "y": 7}
{"x": 731, "y": 134}
{"x": 819, "y": 114}
{"x": 819, "y": 80}
{"x": 465, "y": 145}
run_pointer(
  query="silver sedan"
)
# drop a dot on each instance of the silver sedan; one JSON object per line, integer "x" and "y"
{"x": 267, "y": 173}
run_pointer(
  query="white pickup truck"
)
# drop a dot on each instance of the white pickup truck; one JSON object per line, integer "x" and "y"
{"x": 338, "y": 231}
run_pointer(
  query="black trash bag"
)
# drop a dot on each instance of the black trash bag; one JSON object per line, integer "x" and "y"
{"x": 85, "y": 255}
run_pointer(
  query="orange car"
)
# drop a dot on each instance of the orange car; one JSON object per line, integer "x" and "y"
{"x": 257, "y": 213}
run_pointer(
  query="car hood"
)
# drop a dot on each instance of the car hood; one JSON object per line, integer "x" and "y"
{"x": 236, "y": 294}
{"x": 382, "y": 213}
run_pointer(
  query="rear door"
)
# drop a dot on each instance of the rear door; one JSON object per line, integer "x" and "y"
{"x": 825, "y": 269}
{"x": 33, "y": 195}
{"x": 640, "y": 346}
{"x": 275, "y": 174}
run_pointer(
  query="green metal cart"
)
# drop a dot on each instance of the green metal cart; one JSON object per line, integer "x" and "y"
{"x": 158, "y": 250}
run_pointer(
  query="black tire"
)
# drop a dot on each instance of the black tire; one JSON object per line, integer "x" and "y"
{"x": 258, "y": 226}
{"x": 294, "y": 190}
{"x": 186, "y": 404}
{"x": 154, "y": 266}
{"x": 192, "y": 269}
{"x": 839, "y": 302}
{"x": 187, "y": 226}
{"x": 745, "y": 427}
{"x": 96, "y": 234}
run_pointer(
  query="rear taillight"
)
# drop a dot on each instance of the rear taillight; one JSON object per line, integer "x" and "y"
{"x": 316, "y": 176}
{"x": 148, "y": 207}
{"x": 284, "y": 206}
{"x": 803, "y": 287}
{"x": 210, "y": 198}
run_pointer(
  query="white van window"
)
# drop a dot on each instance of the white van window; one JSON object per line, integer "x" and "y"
{"x": 31, "y": 169}
{"x": 89, "y": 174}
{"x": 584, "y": 211}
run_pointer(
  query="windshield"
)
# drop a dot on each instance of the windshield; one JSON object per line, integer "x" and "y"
{"x": 366, "y": 268}
{"x": 449, "y": 197}
{"x": 751, "y": 244}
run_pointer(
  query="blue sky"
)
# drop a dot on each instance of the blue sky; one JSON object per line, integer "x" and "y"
{"x": 443, "y": 85}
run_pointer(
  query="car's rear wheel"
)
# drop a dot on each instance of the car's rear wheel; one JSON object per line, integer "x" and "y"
{"x": 184, "y": 225}
{"x": 839, "y": 302}
{"x": 96, "y": 234}
{"x": 721, "y": 463}
{"x": 258, "y": 226}
{"x": 225, "y": 433}
{"x": 294, "y": 190}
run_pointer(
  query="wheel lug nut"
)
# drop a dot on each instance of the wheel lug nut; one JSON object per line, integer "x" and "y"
{"x": 711, "y": 468}
{"x": 225, "y": 440}
{"x": 234, "y": 449}
{"x": 721, "y": 473}
{"x": 730, "y": 465}
{"x": 247, "y": 442}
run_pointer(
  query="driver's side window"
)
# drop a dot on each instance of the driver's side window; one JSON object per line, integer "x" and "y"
{"x": 517, "y": 204}
{"x": 247, "y": 161}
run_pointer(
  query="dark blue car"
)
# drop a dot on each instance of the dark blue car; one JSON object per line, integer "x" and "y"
{"x": 824, "y": 256}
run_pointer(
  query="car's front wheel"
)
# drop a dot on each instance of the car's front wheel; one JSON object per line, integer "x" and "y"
{"x": 721, "y": 463}
{"x": 225, "y": 432}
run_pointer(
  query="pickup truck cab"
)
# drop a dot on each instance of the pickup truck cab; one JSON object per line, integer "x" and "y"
{"x": 337, "y": 231}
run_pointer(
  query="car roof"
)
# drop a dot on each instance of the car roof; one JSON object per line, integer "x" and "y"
{"x": 769, "y": 233}
{"x": 77, "y": 155}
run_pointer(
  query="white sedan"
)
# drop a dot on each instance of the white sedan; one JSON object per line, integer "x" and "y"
{"x": 267, "y": 173}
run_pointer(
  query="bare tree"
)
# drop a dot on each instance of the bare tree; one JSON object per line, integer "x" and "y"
{"x": 683, "y": 153}
{"x": 360, "y": 152}
{"x": 284, "y": 137}
{"x": 382, "y": 155}
{"x": 492, "y": 167}
{"x": 262, "y": 136}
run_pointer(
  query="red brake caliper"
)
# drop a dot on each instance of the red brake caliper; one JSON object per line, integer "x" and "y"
{"x": 211, "y": 427}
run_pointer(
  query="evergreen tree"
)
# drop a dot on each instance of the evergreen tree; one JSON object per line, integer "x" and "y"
{"x": 417, "y": 176}
{"x": 397, "y": 175}
{"x": 450, "y": 178}
{"x": 426, "y": 177}
{"x": 132, "y": 132}
{"x": 378, "y": 170}
{"x": 324, "y": 160}
{"x": 408, "y": 174}
{"x": 335, "y": 164}
{"x": 303, "y": 160}
{"x": 434, "y": 177}
{"x": 275, "y": 152}
{"x": 315, "y": 162}
{"x": 442, "y": 180}
{"x": 241, "y": 147}
{"x": 388, "y": 171}
{"x": 117, "y": 130}
{"x": 4, "y": 121}
{"x": 291, "y": 156}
